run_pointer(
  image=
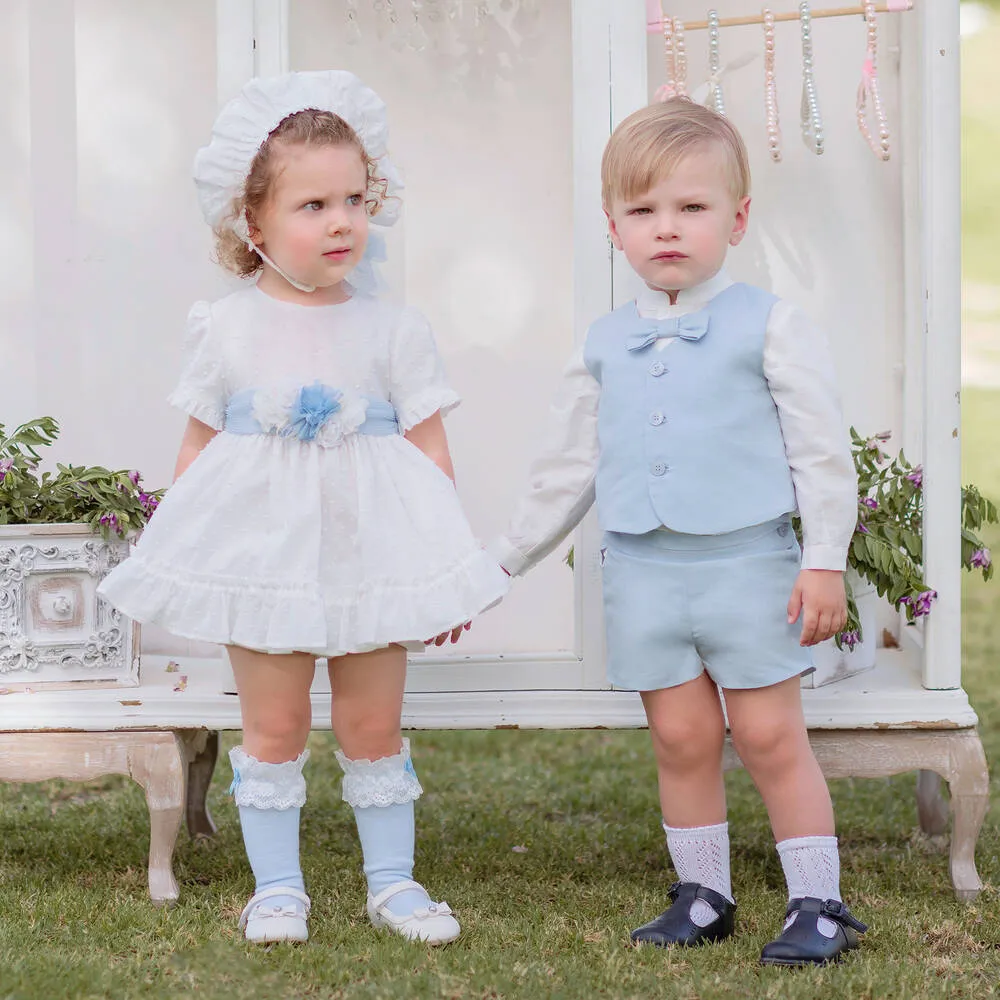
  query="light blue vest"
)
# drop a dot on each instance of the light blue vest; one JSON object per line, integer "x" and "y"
{"x": 689, "y": 436}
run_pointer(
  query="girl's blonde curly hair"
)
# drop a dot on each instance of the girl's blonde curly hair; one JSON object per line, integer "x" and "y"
{"x": 303, "y": 128}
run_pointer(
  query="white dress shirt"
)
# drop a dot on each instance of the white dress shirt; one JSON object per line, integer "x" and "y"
{"x": 800, "y": 375}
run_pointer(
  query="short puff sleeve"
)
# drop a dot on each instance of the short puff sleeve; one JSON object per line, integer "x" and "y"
{"x": 418, "y": 386}
{"x": 201, "y": 391}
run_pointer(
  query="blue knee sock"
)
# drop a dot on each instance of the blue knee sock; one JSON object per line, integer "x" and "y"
{"x": 270, "y": 799}
{"x": 271, "y": 837}
{"x": 387, "y": 834}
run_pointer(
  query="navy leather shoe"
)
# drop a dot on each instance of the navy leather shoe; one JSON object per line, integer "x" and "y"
{"x": 803, "y": 944}
{"x": 675, "y": 926}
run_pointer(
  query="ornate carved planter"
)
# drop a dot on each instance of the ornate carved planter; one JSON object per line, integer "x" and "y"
{"x": 54, "y": 629}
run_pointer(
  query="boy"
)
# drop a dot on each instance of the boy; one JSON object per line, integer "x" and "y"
{"x": 700, "y": 416}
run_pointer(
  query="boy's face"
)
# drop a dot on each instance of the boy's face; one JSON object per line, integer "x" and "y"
{"x": 676, "y": 234}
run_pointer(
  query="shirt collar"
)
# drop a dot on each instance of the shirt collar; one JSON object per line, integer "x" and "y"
{"x": 651, "y": 303}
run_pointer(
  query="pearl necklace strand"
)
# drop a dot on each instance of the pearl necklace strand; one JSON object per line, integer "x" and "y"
{"x": 715, "y": 100}
{"x": 675, "y": 57}
{"x": 869, "y": 88}
{"x": 681, "y": 58}
{"x": 771, "y": 89}
{"x": 812, "y": 123}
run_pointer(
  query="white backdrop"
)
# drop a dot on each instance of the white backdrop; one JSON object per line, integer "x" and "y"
{"x": 104, "y": 102}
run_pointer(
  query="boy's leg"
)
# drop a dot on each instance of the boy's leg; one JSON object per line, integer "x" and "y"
{"x": 269, "y": 788}
{"x": 688, "y": 729}
{"x": 769, "y": 734}
{"x": 380, "y": 783}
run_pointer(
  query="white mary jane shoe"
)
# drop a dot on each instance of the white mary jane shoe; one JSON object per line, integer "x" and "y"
{"x": 432, "y": 924}
{"x": 265, "y": 924}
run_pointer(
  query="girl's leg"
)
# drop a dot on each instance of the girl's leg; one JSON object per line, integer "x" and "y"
{"x": 381, "y": 785}
{"x": 688, "y": 729}
{"x": 769, "y": 734}
{"x": 274, "y": 702}
{"x": 268, "y": 786}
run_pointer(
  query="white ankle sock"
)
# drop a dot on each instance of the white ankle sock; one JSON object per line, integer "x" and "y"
{"x": 812, "y": 868}
{"x": 701, "y": 854}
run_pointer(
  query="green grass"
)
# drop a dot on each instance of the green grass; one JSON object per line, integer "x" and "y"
{"x": 551, "y": 921}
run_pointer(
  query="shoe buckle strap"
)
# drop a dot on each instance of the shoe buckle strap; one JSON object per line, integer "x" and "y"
{"x": 276, "y": 910}
{"x": 394, "y": 890}
{"x": 696, "y": 890}
{"x": 836, "y": 910}
{"x": 833, "y": 909}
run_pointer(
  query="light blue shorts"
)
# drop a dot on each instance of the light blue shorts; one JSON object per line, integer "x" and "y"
{"x": 677, "y": 604}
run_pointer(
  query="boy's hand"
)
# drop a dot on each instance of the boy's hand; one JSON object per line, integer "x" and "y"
{"x": 820, "y": 597}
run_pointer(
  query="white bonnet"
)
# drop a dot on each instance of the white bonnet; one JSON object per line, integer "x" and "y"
{"x": 221, "y": 167}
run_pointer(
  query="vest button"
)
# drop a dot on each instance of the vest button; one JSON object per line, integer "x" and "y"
{"x": 657, "y": 368}
{"x": 656, "y": 418}
{"x": 658, "y": 468}
{"x": 782, "y": 530}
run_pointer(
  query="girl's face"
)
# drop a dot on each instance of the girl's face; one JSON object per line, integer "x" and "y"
{"x": 676, "y": 234}
{"x": 314, "y": 224}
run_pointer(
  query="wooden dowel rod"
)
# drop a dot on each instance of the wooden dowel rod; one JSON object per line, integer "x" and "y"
{"x": 733, "y": 22}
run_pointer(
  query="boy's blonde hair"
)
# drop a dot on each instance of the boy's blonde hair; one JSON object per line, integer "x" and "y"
{"x": 303, "y": 128}
{"x": 650, "y": 143}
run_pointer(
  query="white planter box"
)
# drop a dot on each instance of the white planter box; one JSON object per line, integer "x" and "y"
{"x": 54, "y": 629}
{"x": 834, "y": 664}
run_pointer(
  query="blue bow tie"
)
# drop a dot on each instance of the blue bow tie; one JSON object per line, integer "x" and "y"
{"x": 693, "y": 326}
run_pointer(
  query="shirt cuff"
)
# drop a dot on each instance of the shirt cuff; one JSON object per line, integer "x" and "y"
{"x": 511, "y": 558}
{"x": 824, "y": 557}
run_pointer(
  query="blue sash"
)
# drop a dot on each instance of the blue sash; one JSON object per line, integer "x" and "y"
{"x": 380, "y": 418}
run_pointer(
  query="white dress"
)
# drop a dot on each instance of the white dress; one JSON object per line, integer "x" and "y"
{"x": 296, "y": 529}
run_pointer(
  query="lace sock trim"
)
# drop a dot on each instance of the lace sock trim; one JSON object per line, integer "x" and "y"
{"x": 263, "y": 785}
{"x": 387, "y": 781}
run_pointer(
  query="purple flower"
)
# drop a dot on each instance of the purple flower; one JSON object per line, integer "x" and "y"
{"x": 981, "y": 558}
{"x": 148, "y": 503}
{"x": 850, "y": 639}
{"x": 110, "y": 521}
{"x": 922, "y": 603}
{"x": 134, "y": 477}
{"x": 916, "y": 476}
{"x": 870, "y": 502}
{"x": 6, "y": 464}
{"x": 863, "y": 529}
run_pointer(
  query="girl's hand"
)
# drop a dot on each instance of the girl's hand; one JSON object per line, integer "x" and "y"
{"x": 820, "y": 597}
{"x": 455, "y": 633}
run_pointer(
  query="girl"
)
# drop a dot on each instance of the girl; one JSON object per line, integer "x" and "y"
{"x": 700, "y": 415}
{"x": 314, "y": 513}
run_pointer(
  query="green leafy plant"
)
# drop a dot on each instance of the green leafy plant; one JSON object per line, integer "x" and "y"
{"x": 110, "y": 502}
{"x": 887, "y": 546}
